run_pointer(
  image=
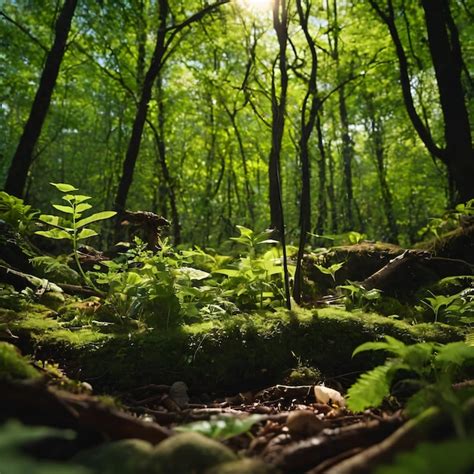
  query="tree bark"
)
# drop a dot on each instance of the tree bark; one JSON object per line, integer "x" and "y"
{"x": 446, "y": 55}
{"x": 20, "y": 166}
{"x": 278, "y": 114}
{"x": 140, "y": 117}
{"x": 309, "y": 112}
{"x": 443, "y": 41}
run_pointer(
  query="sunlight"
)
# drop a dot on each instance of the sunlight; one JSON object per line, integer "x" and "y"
{"x": 256, "y": 5}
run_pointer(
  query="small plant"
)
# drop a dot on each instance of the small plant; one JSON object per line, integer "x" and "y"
{"x": 432, "y": 369}
{"x": 331, "y": 270}
{"x": 253, "y": 280}
{"x": 72, "y": 226}
{"x": 15, "y": 212}
{"x": 356, "y": 296}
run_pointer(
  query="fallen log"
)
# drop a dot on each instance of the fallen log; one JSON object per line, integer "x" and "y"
{"x": 34, "y": 402}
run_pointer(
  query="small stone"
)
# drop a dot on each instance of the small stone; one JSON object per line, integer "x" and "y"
{"x": 179, "y": 393}
{"x": 303, "y": 424}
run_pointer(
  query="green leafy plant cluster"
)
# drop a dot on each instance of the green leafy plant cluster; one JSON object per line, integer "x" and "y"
{"x": 428, "y": 369}
{"x": 72, "y": 225}
{"x": 356, "y": 296}
{"x": 253, "y": 279}
{"x": 454, "y": 309}
{"x": 450, "y": 220}
{"x": 21, "y": 216}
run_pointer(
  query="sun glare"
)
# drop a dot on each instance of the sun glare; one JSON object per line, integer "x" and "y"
{"x": 256, "y": 5}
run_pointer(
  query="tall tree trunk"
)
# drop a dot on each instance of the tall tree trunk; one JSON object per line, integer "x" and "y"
{"x": 322, "y": 203}
{"x": 445, "y": 49}
{"x": 309, "y": 112}
{"x": 18, "y": 172}
{"x": 134, "y": 144}
{"x": 375, "y": 131}
{"x": 278, "y": 114}
{"x": 443, "y": 41}
{"x": 280, "y": 24}
{"x": 164, "y": 38}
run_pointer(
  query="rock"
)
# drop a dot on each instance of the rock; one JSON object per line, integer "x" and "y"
{"x": 243, "y": 466}
{"x": 130, "y": 456}
{"x": 179, "y": 393}
{"x": 303, "y": 424}
{"x": 189, "y": 452}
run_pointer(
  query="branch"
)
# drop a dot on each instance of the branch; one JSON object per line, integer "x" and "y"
{"x": 25, "y": 31}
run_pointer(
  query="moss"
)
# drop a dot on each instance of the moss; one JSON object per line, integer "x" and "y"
{"x": 190, "y": 452}
{"x": 130, "y": 456}
{"x": 242, "y": 351}
{"x": 13, "y": 366}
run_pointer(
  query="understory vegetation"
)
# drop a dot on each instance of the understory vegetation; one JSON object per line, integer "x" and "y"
{"x": 236, "y": 237}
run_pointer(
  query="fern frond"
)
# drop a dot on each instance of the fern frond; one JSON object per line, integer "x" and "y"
{"x": 457, "y": 353}
{"x": 370, "y": 389}
{"x": 390, "y": 345}
{"x": 470, "y": 339}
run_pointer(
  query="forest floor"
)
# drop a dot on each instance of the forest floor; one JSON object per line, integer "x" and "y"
{"x": 263, "y": 391}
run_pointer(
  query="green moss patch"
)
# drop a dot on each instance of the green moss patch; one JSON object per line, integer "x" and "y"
{"x": 243, "y": 351}
{"x": 13, "y": 366}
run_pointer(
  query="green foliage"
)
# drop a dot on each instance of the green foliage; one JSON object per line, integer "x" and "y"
{"x": 221, "y": 427}
{"x": 432, "y": 369}
{"x": 331, "y": 270}
{"x": 453, "y": 456}
{"x": 15, "y": 212}
{"x": 450, "y": 220}
{"x": 356, "y": 296}
{"x": 14, "y": 437}
{"x": 457, "y": 308}
{"x": 73, "y": 226}
{"x": 254, "y": 280}
{"x": 13, "y": 366}
{"x": 55, "y": 269}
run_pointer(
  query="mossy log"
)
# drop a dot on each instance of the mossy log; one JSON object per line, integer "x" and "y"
{"x": 246, "y": 351}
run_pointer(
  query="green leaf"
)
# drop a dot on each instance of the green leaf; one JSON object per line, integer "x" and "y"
{"x": 65, "y": 209}
{"x": 223, "y": 427}
{"x": 48, "y": 219}
{"x": 370, "y": 389}
{"x": 75, "y": 198}
{"x": 54, "y": 234}
{"x": 64, "y": 188}
{"x": 86, "y": 233}
{"x": 99, "y": 216}
{"x": 193, "y": 273}
{"x": 268, "y": 241}
{"x": 82, "y": 207}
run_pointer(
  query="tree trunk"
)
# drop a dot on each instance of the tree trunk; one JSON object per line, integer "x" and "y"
{"x": 309, "y": 112}
{"x": 278, "y": 115}
{"x": 140, "y": 117}
{"x": 445, "y": 52}
{"x": 18, "y": 172}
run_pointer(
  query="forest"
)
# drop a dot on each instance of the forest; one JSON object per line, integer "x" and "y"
{"x": 236, "y": 236}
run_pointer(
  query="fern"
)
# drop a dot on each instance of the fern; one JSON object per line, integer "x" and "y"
{"x": 391, "y": 345}
{"x": 371, "y": 388}
{"x": 455, "y": 353}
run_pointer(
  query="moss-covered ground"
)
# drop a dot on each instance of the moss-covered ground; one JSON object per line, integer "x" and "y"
{"x": 239, "y": 352}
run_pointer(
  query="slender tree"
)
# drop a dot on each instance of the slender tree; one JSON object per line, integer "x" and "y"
{"x": 164, "y": 39}
{"x": 23, "y": 157}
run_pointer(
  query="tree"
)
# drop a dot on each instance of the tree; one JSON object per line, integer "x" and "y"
{"x": 164, "y": 38}
{"x": 22, "y": 159}
{"x": 446, "y": 56}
